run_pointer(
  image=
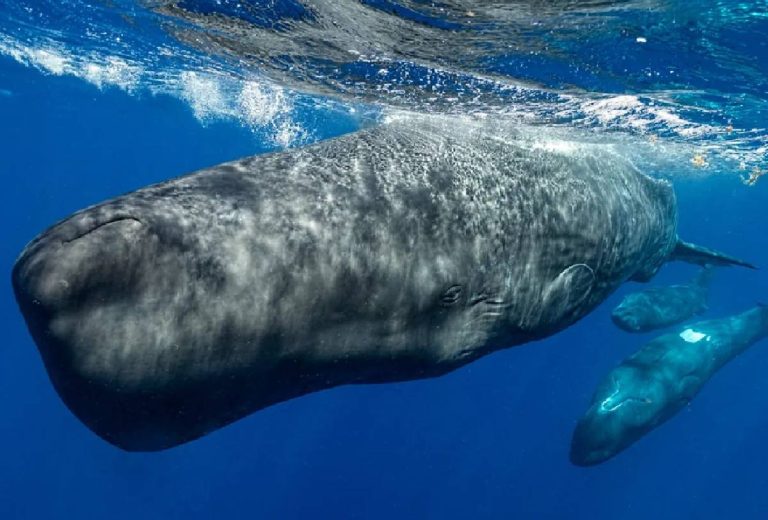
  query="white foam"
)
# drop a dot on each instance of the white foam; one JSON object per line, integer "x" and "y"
{"x": 261, "y": 104}
{"x": 212, "y": 95}
{"x": 257, "y": 105}
{"x": 631, "y": 111}
{"x": 113, "y": 71}
{"x": 204, "y": 95}
{"x": 49, "y": 58}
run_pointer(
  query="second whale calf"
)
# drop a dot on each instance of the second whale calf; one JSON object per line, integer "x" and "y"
{"x": 660, "y": 307}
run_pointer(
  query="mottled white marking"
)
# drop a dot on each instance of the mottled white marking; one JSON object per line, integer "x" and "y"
{"x": 692, "y": 336}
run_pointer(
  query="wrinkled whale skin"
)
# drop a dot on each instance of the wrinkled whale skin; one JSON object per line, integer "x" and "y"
{"x": 399, "y": 252}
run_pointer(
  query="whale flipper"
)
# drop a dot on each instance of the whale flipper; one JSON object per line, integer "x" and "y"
{"x": 693, "y": 254}
{"x": 571, "y": 287}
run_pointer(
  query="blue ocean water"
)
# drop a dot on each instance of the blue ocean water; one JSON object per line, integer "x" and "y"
{"x": 100, "y": 98}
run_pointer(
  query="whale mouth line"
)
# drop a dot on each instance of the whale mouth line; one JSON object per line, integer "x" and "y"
{"x": 100, "y": 226}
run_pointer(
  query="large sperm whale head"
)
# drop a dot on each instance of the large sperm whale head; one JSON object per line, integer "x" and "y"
{"x": 114, "y": 297}
{"x": 74, "y": 283}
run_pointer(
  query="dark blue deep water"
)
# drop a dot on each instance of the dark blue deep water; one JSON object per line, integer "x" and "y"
{"x": 83, "y": 118}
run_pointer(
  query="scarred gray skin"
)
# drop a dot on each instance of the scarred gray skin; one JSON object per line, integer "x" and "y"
{"x": 659, "y": 380}
{"x": 659, "y": 307}
{"x": 400, "y": 252}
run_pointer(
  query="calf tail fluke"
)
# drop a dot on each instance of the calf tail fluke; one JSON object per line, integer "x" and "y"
{"x": 691, "y": 253}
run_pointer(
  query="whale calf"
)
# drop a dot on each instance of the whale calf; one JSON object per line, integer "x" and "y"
{"x": 398, "y": 252}
{"x": 659, "y": 307}
{"x": 655, "y": 383}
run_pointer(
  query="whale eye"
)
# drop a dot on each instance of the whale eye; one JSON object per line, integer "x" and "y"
{"x": 451, "y": 295}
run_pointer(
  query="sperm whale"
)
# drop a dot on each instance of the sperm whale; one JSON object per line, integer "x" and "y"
{"x": 398, "y": 252}
{"x": 655, "y": 383}
{"x": 659, "y": 307}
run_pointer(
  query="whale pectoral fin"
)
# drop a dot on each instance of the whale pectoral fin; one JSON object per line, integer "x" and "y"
{"x": 566, "y": 292}
{"x": 693, "y": 254}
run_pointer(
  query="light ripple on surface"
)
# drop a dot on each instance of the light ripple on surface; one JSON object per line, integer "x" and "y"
{"x": 598, "y": 68}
